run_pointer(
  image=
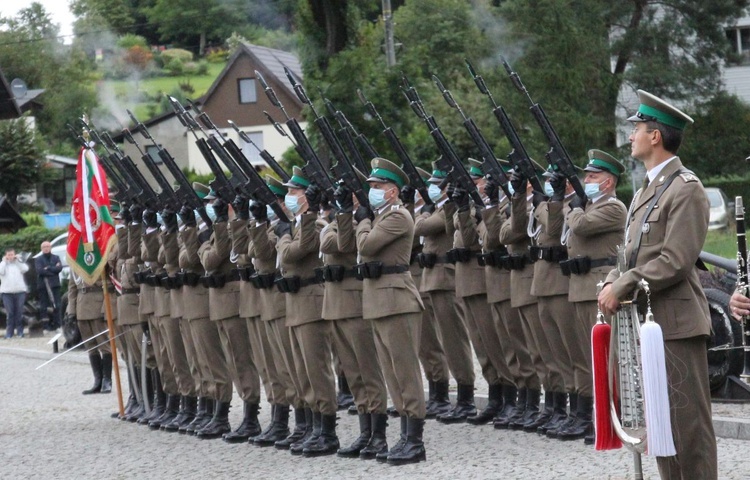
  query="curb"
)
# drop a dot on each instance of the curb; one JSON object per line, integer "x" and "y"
{"x": 724, "y": 427}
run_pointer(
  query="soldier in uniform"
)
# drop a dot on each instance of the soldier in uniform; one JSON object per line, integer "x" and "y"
{"x": 392, "y": 302}
{"x": 438, "y": 281}
{"x": 277, "y": 348}
{"x": 666, "y": 228}
{"x": 353, "y": 337}
{"x": 298, "y": 247}
{"x": 222, "y": 280}
{"x": 592, "y": 232}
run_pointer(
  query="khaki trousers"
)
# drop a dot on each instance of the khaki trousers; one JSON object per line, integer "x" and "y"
{"x": 476, "y": 313}
{"x": 235, "y": 342}
{"x": 283, "y": 343}
{"x": 510, "y": 329}
{"x": 254, "y": 329}
{"x": 311, "y": 350}
{"x": 556, "y": 315}
{"x": 536, "y": 343}
{"x": 397, "y": 342}
{"x": 211, "y": 359}
{"x": 88, "y": 329}
{"x": 580, "y": 349}
{"x": 452, "y": 330}
{"x": 191, "y": 355}
{"x": 163, "y": 362}
{"x": 354, "y": 341}
{"x": 431, "y": 352}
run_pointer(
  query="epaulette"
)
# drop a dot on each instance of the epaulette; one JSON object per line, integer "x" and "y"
{"x": 395, "y": 207}
{"x": 689, "y": 177}
{"x": 612, "y": 199}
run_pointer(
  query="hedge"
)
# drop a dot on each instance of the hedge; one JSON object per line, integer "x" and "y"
{"x": 29, "y": 239}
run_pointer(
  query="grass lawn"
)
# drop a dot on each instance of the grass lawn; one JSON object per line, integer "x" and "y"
{"x": 722, "y": 243}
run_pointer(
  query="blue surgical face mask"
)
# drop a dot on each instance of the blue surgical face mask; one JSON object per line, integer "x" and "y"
{"x": 270, "y": 213}
{"x": 210, "y": 212}
{"x": 376, "y": 197}
{"x": 292, "y": 203}
{"x": 548, "y": 190}
{"x": 434, "y": 192}
{"x": 592, "y": 190}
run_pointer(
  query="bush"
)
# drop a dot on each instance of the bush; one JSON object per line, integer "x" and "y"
{"x": 179, "y": 53}
{"x": 190, "y": 69}
{"x": 218, "y": 56}
{"x": 202, "y": 67}
{"x": 29, "y": 238}
{"x": 33, "y": 219}
{"x": 175, "y": 67}
{"x": 129, "y": 40}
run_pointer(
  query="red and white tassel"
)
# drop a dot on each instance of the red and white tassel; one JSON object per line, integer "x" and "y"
{"x": 656, "y": 390}
{"x": 600, "y": 344}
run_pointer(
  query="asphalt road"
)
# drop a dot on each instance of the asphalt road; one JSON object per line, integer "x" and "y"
{"x": 49, "y": 430}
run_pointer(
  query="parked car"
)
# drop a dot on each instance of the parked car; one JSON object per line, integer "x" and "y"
{"x": 721, "y": 209}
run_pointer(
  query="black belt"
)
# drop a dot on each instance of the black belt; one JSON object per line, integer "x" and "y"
{"x": 375, "y": 270}
{"x": 494, "y": 258}
{"x": 293, "y": 284}
{"x": 583, "y": 265}
{"x": 548, "y": 254}
{"x": 96, "y": 289}
{"x": 245, "y": 273}
{"x": 191, "y": 279}
{"x": 128, "y": 291}
{"x": 334, "y": 273}
{"x": 518, "y": 262}
{"x": 218, "y": 280}
{"x": 262, "y": 281}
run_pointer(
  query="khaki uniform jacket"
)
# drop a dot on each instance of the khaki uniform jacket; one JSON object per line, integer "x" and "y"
{"x": 497, "y": 279}
{"x": 215, "y": 258}
{"x": 595, "y": 233}
{"x": 341, "y": 299}
{"x": 85, "y": 306}
{"x": 263, "y": 249}
{"x": 470, "y": 279}
{"x": 148, "y": 252}
{"x": 127, "y": 303}
{"x": 299, "y": 255}
{"x": 513, "y": 235}
{"x": 195, "y": 299}
{"x": 548, "y": 278}
{"x": 153, "y": 255}
{"x": 242, "y": 250}
{"x": 171, "y": 258}
{"x": 438, "y": 239}
{"x": 387, "y": 239}
{"x": 669, "y": 249}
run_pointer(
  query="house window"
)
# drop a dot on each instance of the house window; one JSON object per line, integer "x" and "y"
{"x": 251, "y": 152}
{"x": 739, "y": 39}
{"x": 246, "y": 87}
{"x": 153, "y": 152}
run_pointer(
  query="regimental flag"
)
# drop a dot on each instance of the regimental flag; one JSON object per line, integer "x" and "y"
{"x": 91, "y": 234}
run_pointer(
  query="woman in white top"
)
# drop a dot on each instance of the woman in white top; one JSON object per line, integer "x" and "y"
{"x": 13, "y": 290}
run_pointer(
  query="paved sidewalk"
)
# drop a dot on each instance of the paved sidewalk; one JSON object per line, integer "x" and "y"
{"x": 49, "y": 430}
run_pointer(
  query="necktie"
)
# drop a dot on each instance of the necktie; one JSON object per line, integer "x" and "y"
{"x": 645, "y": 183}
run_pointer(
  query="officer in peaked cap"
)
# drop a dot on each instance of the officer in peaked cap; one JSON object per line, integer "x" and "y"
{"x": 600, "y": 161}
{"x": 666, "y": 229}
{"x": 391, "y": 300}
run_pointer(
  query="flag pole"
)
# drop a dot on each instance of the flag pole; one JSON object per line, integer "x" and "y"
{"x": 112, "y": 343}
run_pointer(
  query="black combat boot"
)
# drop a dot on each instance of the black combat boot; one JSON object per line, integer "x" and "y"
{"x": 430, "y": 404}
{"x": 571, "y": 418}
{"x": 559, "y": 413}
{"x": 96, "y": 368}
{"x": 392, "y": 411}
{"x": 148, "y": 393}
{"x": 327, "y": 442}
{"x": 442, "y": 402}
{"x": 583, "y": 425}
{"x": 106, "y": 373}
{"x": 132, "y": 400}
{"x": 170, "y": 412}
{"x": 279, "y": 429}
{"x": 344, "y": 398}
{"x": 302, "y": 427}
{"x": 517, "y": 413}
{"x": 365, "y": 432}
{"x": 544, "y": 416}
{"x": 494, "y": 405}
{"x": 184, "y": 417}
{"x": 383, "y": 456}
{"x": 531, "y": 411}
{"x": 309, "y": 438}
{"x": 413, "y": 450}
{"x": 509, "y": 404}
{"x": 203, "y": 415}
{"x": 249, "y": 428}
{"x": 378, "y": 443}
{"x": 159, "y": 399}
{"x": 464, "y": 406}
{"x": 219, "y": 424}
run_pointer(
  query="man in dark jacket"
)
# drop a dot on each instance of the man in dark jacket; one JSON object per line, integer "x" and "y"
{"x": 48, "y": 268}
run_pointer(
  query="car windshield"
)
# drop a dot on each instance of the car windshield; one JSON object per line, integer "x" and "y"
{"x": 714, "y": 198}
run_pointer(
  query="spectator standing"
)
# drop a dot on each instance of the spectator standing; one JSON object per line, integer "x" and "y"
{"x": 48, "y": 267}
{"x": 13, "y": 290}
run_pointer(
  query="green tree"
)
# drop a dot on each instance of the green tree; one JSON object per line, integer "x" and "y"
{"x": 21, "y": 158}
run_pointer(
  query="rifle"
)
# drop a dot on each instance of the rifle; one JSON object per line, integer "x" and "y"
{"x": 347, "y": 133}
{"x": 313, "y": 168}
{"x": 166, "y": 196}
{"x": 220, "y": 184}
{"x": 184, "y": 193}
{"x": 415, "y": 179}
{"x": 343, "y": 169}
{"x": 267, "y": 157}
{"x": 147, "y": 197}
{"x": 518, "y": 157}
{"x": 557, "y": 155}
{"x": 249, "y": 182}
{"x": 449, "y": 161}
{"x": 126, "y": 193}
{"x": 490, "y": 166}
